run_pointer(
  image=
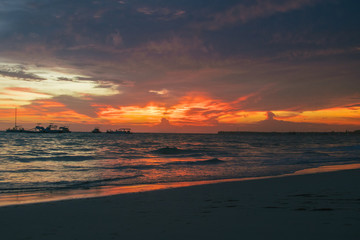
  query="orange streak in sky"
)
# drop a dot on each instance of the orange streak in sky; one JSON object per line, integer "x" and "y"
{"x": 23, "y": 89}
{"x": 195, "y": 109}
{"x": 344, "y": 115}
{"x": 148, "y": 115}
{"x": 46, "y": 111}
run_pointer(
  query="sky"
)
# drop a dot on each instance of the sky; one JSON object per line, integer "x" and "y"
{"x": 181, "y": 66}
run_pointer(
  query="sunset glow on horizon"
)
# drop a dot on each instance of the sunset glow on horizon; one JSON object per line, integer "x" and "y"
{"x": 160, "y": 66}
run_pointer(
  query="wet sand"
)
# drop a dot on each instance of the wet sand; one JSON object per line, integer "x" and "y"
{"x": 313, "y": 206}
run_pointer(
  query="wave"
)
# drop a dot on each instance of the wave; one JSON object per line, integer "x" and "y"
{"x": 212, "y": 161}
{"x": 80, "y": 160}
{"x": 26, "y": 170}
{"x": 203, "y": 162}
{"x": 136, "y": 167}
{"x": 180, "y": 153}
{"x": 56, "y": 159}
{"x": 98, "y": 181}
{"x": 171, "y": 151}
{"x": 344, "y": 148}
{"x": 64, "y": 185}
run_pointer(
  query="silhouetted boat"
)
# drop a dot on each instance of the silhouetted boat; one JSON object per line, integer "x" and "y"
{"x": 120, "y": 131}
{"x": 49, "y": 129}
{"x": 96, "y": 130}
{"x": 38, "y": 129}
{"x": 16, "y": 128}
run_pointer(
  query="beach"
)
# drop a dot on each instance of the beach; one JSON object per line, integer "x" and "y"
{"x": 312, "y": 206}
{"x": 179, "y": 120}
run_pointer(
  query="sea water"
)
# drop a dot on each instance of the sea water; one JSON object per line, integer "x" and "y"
{"x": 37, "y": 164}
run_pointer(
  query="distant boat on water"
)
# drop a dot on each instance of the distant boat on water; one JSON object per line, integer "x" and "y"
{"x": 16, "y": 128}
{"x": 120, "y": 131}
{"x": 49, "y": 129}
{"x": 96, "y": 130}
{"x": 38, "y": 129}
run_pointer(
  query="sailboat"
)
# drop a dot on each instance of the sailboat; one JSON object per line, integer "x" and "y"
{"x": 16, "y": 128}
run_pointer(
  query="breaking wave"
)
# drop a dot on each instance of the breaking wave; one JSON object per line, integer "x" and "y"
{"x": 203, "y": 162}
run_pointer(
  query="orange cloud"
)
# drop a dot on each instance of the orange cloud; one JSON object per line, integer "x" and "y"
{"x": 194, "y": 109}
{"x": 241, "y": 117}
{"x": 45, "y": 111}
{"x": 24, "y": 89}
{"x": 148, "y": 115}
{"x": 197, "y": 110}
{"x": 341, "y": 115}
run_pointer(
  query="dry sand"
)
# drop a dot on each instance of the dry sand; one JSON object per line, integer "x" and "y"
{"x": 315, "y": 206}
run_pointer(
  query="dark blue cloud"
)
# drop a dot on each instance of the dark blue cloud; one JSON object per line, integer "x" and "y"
{"x": 255, "y": 43}
{"x": 249, "y": 28}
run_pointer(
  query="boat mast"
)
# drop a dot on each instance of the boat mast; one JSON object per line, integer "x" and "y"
{"x": 15, "y": 116}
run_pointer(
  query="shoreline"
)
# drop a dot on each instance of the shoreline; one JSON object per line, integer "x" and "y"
{"x": 105, "y": 191}
{"x": 313, "y": 206}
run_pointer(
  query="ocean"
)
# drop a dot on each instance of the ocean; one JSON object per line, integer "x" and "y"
{"x": 41, "y": 167}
